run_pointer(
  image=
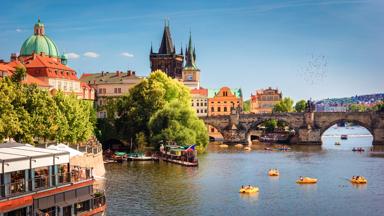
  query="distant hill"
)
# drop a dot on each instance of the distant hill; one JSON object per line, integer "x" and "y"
{"x": 358, "y": 99}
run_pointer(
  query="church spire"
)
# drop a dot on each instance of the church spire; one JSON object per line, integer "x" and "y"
{"x": 166, "y": 46}
{"x": 190, "y": 54}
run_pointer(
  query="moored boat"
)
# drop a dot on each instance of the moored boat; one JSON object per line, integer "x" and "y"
{"x": 182, "y": 155}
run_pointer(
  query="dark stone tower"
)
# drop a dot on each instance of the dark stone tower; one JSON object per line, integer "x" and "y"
{"x": 166, "y": 59}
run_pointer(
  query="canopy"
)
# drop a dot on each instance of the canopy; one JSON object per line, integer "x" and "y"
{"x": 63, "y": 147}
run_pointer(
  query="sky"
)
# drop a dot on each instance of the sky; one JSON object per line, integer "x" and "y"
{"x": 307, "y": 48}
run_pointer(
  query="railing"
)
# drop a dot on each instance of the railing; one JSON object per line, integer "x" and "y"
{"x": 98, "y": 201}
{"x": 42, "y": 182}
{"x": 14, "y": 188}
{"x": 81, "y": 174}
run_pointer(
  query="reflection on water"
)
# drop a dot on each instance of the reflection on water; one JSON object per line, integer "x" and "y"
{"x": 148, "y": 188}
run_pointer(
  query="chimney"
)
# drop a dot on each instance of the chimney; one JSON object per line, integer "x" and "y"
{"x": 13, "y": 57}
{"x": 133, "y": 73}
{"x": 129, "y": 73}
{"x": 102, "y": 73}
{"x": 117, "y": 73}
{"x": 1, "y": 61}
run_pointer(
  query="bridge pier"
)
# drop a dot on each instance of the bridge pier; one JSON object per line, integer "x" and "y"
{"x": 309, "y": 136}
{"x": 234, "y": 136}
{"x": 378, "y": 136}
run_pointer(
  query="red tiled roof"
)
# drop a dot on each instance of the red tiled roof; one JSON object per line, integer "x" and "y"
{"x": 55, "y": 69}
{"x": 200, "y": 91}
{"x": 11, "y": 67}
{"x": 85, "y": 85}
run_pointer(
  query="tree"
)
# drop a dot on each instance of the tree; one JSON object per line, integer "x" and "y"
{"x": 285, "y": 105}
{"x": 19, "y": 74}
{"x": 300, "y": 106}
{"x": 177, "y": 122}
{"x": 357, "y": 108}
{"x": 270, "y": 125}
{"x": 9, "y": 121}
{"x": 160, "y": 108}
{"x": 247, "y": 106}
{"x": 143, "y": 100}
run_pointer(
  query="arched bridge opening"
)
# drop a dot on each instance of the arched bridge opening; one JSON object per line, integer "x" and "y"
{"x": 346, "y": 134}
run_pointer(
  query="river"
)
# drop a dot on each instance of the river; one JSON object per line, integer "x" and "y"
{"x": 149, "y": 188}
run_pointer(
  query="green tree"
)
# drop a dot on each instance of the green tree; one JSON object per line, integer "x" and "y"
{"x": 177, "y": 122}
{"x": 357, "y": 108}
{"x": 154, "y": 108}
{"x": 247, "y": 106}
{"x": 270, "y": 125}
{"x": 143, "y": 100}
{"x": 19, "y": 74}
{"x": 9, "y": 120}
{"x": 285, "y": 105}
{"x": 300, "y": 106}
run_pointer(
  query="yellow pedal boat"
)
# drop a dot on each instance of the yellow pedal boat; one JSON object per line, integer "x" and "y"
{"x": 247, "y": 148}
{"x": 359, "y": 180}
{"x": 306, "y": 180}
{"x": 249, "y": 189}
{"x": 273, "y": 172}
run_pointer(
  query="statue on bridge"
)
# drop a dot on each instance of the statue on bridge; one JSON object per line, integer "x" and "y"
{"x": 310, "y": 106}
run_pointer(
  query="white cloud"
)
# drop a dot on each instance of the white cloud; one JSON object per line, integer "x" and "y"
{"x": 18, "y": 30}
{"x": 91, "y": 54}
{"x": 72, "y": 55}
{"x": 127, "y": 54}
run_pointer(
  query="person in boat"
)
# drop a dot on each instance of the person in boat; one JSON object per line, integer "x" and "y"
{"x": 353, "y": 177}
{"x": 301, "y": 178}
{"x": 242, "y": 186}
{"x": 357, "y": 177}
{"x": 249, "y": 187}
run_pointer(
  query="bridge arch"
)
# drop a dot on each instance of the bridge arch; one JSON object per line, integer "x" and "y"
{"x": 254, "y": 129}
{"x": 356, "y": 122}
{"x": 214, "y": 133}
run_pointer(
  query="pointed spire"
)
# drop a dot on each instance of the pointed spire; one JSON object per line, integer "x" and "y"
{"x": 181, "y": 49}
{"x": 190, "y": 54}
{"x": 151, "y": 48}
{"x": 166, "y": 46}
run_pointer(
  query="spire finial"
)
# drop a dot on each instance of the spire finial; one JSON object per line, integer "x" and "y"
{"x": 38, "y": 19}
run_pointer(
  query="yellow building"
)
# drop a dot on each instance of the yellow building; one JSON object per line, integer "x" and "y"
{"x": 221, "y": 102}
{"x": 110, "y": 85}
{"x": 264, "y": 100}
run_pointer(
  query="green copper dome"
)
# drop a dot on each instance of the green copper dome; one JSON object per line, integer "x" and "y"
{"x": 39, "y": 42}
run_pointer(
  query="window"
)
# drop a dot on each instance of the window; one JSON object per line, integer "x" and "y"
{"x": 205, "y": 111}
{"x": 218, "y": 109}
{"x": 189, "y": 77}
{"x": 225, "y": 109}
{"x": 201, "y": 104}
{"x": 212, "y": 109}
{"x": 212, "y": 130}
{"x": 192, "y": 104}
{"x": 119, "y": 90}
{"x": 100, "y": 91}
{"x": 197, "y": 111}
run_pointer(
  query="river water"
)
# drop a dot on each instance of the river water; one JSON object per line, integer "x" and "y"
{"x": 149, "y": 188}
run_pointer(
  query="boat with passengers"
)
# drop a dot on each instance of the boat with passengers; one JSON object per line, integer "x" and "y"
{"x": 182, "y": 155}
{"x": 42, "y": 182}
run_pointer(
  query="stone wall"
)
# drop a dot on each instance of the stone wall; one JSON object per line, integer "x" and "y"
{"x": 90, "y": 160}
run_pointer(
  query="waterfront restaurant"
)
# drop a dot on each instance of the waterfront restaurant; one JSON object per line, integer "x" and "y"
{"x": 39, "y": 181}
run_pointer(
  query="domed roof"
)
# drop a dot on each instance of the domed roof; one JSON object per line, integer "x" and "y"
{"x": 39, "y": 42}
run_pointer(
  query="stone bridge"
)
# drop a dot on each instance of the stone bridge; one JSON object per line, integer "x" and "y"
{"x": 308, "y": 126}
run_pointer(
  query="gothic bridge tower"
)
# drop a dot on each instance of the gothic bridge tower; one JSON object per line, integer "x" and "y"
{"x": 167, "y": 59}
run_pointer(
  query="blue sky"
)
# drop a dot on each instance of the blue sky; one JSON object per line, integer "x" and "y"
{"x": 307, "y": 48}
